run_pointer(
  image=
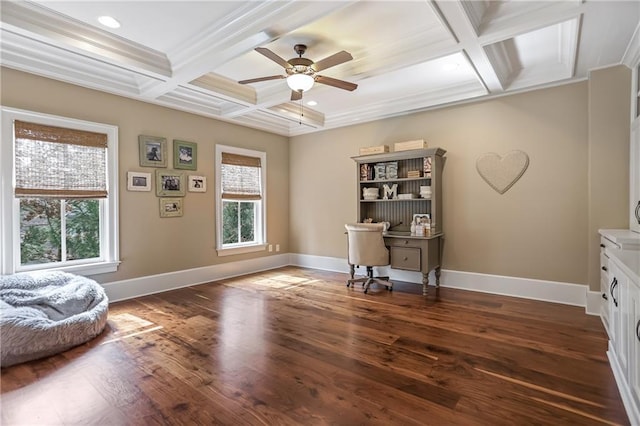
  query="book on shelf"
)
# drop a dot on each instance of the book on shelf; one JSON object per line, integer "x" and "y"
{"x": 427, "y": 167}
{"x": 366, "y": 172}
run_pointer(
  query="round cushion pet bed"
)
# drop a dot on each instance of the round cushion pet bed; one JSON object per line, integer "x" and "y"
{"x": 45, "y": 313}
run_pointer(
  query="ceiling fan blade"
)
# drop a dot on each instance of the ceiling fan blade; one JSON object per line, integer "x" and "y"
{"x": 340, "y": 84}
{"x": 295, "y": 95}
{"x": 332, "y": 61}
{"x": 255, "y": 80}
{"x": 275, "y": 58}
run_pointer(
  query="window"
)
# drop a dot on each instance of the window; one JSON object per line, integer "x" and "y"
{"x": 240, "y": 196}
{"x": 59, "y": 194}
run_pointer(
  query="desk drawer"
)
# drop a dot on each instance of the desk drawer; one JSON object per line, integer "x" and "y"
{"x": 407, "y": 258}
{"x": 403, "y": 242}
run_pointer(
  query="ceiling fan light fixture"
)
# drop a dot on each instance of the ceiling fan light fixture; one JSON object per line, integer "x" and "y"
{"x": 300, "y": 82}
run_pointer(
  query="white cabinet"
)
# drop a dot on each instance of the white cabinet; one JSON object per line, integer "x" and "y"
{"x": 624, "y": 327}
{"x": 634, "y": 348}
{"x": 612, "y": 240}
{"x": 619, "y": 316}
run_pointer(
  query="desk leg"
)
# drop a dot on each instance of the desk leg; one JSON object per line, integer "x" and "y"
{"x": 438, "y": 276}
{"x": 425, "y": 283}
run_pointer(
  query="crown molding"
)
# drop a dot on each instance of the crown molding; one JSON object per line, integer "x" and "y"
{"x": 631, "y": 56}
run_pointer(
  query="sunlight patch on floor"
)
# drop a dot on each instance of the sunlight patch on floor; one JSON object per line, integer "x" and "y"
{"x": 126, "y": 325}
{"x": 284, "y": 281}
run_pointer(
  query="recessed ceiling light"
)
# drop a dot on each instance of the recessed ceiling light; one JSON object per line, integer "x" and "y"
{"x": 109, "y": 21}
{"x": 312, "y": 103}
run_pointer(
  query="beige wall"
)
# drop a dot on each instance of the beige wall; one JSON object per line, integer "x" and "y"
{"x": 149, "y": 244}
{"x": 542, "y": 228}
{"x": 537, "y": 229}
{"x": 609, "y": 124}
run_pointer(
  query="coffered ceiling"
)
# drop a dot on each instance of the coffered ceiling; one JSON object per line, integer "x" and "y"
{"x": 407, "y": 55}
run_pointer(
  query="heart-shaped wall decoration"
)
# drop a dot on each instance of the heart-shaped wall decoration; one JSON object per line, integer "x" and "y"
{"x": 501, "y": 172}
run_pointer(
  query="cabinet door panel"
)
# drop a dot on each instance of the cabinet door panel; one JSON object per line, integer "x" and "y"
{"x": 634, "y": 176}
{"x": 634, "y": 357}
{"x": 619, "y": 315}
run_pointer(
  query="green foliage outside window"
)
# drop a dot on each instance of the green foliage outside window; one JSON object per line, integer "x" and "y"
{"x": 41, "y": 230}
{"x": 238, "y": 222}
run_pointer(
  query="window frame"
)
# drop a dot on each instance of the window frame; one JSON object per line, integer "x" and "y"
{"x": 10, "y": 206}
{"x": 261, "y": 215}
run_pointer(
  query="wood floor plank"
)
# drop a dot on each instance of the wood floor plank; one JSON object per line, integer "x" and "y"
{"x": 294, "y": 346}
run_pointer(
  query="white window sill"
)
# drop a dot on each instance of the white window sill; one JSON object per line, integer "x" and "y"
{"x": 82, "y": 269}
{"x": 241, "y": 250}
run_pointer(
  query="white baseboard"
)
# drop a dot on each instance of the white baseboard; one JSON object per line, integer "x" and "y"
{"x": 136, "y": 287}
{"x": 548, "y": 291}
{"x": 594, "y": 302}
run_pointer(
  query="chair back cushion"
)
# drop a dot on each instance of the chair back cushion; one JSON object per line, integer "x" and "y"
{"x": 366, "y": 244}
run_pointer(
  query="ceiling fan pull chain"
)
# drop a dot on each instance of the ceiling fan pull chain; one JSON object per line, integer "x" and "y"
{"x": 301, "y": 112}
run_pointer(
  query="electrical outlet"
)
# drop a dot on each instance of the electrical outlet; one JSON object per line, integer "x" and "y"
{"x": 270, "y": 247}
{"x": 277, "y": 247}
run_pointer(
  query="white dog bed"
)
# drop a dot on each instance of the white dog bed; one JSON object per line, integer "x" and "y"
{"x": 44, "y": 313}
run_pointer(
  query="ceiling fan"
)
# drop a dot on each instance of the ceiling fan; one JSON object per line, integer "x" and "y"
{"x": 301, "y": 72}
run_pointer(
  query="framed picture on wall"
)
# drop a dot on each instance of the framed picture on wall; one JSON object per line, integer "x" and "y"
{"x": 138, "y": 181}
{"x": 153, "y": 151}
{"x": 197, "y": 184}
{"x": 171, "y": 207}
{"x": 185, "y": 155}
{"x": 170, "y": 183}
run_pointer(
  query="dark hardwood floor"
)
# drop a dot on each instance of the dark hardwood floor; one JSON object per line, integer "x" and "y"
{"x": 295, "y": 346}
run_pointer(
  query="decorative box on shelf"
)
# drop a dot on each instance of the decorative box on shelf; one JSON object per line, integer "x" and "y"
{"x": 374, "y": 149}
{"x": 414, "y": 174}
{"x": 408, "y": 145}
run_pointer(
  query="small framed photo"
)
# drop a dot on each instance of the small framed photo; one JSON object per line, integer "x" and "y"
{"x": 170, "y": 183}
{"x": 153, "y": 151}
{"x": 171, "y": 207}
{"x": 197, "y": 184}
{"x": 138, "y": 181}
{"x": 185, "y": 155}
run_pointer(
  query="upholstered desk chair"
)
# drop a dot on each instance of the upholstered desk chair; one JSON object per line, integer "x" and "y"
{"x": 366, "y": 248}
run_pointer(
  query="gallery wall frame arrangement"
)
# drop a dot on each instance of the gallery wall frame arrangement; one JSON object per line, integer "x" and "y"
{"x": 197, "y": 183}
{"x": 170, "y": 183}
{"x": 153, "y": 151}
{"x": 185, "y": 155}
{"x": 171, "y": 207}
{"x": 138, "y": 181}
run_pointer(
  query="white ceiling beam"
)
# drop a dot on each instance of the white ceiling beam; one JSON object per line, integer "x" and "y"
{"x": 465, "y": 32}
{"x": 246, "y": 29}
